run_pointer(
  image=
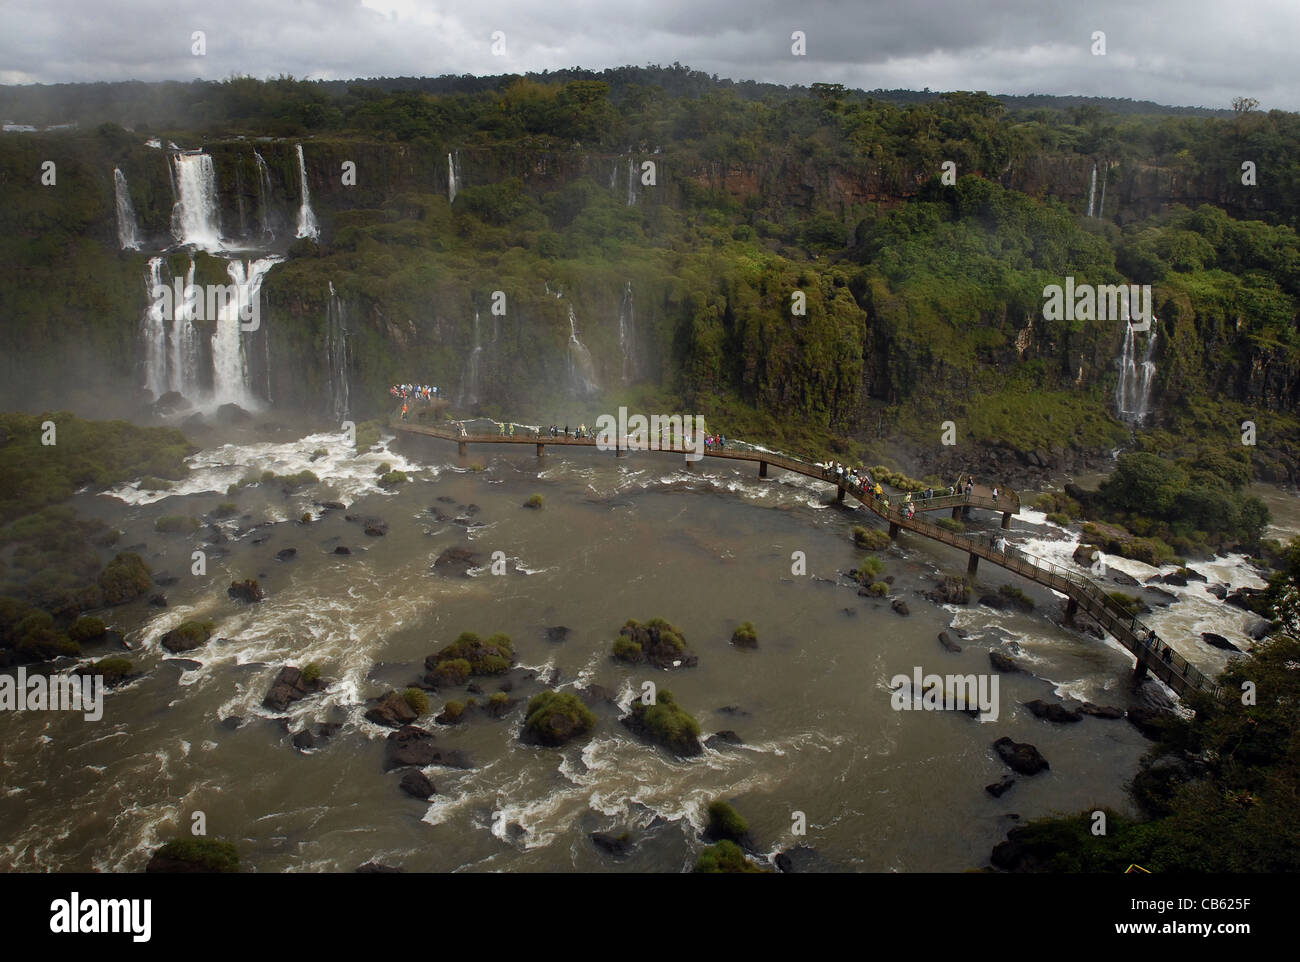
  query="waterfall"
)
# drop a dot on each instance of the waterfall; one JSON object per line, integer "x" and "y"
{"x": 336, "y": 356}
{"x": 1092, "y": 189}
{"x": 183, "y": 374}
{"x": 1133, "y": 392}
{"x": 195, "y": 215}
{"x": 1101, "y": 207}
{"x": 631, "y": 181}
{"x": 613, "y": 176}
{"x": 582, "y": 371}
{"x": 264, "y": 199}
{"x": 128, "y": 231}
{"x": 626, "y": 335}
{"x": 230, "y": 379}
{"x": 453, "y": 176}
{"x": 469, "y": 381}
{"x": 154, "y": 330}
{"x": 306, "y": 219}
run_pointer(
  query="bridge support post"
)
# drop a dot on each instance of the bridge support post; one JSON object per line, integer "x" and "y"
{"x": 956, "y": 513}
{"x": 972, "y": 565}
{"x": 1140, "y": 671}
{"x": 689, "y": 464}
{"x": 541, "y": 450}
{"x": 462, "y": 448}
{"x": 839, "y": 493}
{"x": 893, "y": 530}
{"x": 1006, "y": 519}
{"x": 620, "y": 452}
{"x": 762, "y": 469}
{"x": 1071, "y": 608}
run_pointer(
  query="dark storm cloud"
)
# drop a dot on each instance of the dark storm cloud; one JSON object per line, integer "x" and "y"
{"x": 1200, "y": 52}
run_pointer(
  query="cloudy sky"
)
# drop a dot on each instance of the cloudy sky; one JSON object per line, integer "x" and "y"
{"x": 1187, "y": 52}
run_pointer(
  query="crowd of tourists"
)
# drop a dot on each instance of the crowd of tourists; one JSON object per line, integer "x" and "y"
{"x": 413, "y": 392}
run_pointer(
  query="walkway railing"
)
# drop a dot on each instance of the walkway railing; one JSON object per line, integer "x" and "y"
{"x": 1113, "y": 617}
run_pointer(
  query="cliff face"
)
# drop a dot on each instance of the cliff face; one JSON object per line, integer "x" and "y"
{"x": 396, "y": 255}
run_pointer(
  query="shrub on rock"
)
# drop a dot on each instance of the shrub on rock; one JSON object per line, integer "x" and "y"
{"x": 725, "y": 822}
{"x": 195, "y": 855}
{"x": 554, "y": 718}
{"x": 492, "y": 656}
{"x": 124, "y": 578}
{"x": 727, "y": 857}
{"x": 417, "y": 700}
{"x": 661, "y": 644}
{"x": 665, "y": 723}
{"x": 188, "y": 635}
{"x": 745, "y": 636}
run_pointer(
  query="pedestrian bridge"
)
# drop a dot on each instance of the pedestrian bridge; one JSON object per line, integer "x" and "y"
{"x": 1082, "y": 592}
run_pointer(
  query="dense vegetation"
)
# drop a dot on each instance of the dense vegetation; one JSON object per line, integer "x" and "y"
{"x": 924, "y": 301}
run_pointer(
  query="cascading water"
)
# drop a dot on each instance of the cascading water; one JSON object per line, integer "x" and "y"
{"x": 264, "y": 215}
{"x": 469, "y": 380}
{"x": 613, "y": 176}
{"x": 183, "y": 375}
{"x": 453, "y": 176}
{"x": 230, "y": 380}
{"x": 306, "y": 219}
{"x": 128, "y": 231}
{"x": 1101, "y": 207}
{"x": 1133, "y": 392}
{"x": 154, "y": 331}
{"x": 631, "y": 181}
{"x": 582, "y": 370}
{"x": 626, "y": 335}
{"x": 195, "y": 215}
{"x": 1092, "y": 189}
{"x": 336, "y": 356}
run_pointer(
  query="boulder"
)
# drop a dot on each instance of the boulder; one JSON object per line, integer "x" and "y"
{"x": 1001, "y": 662}
{"x": 1053, "y": 711}
{"x": 1260, "y": 629}
{"x": 951, "y": 591}
{"x": 417, "y": 784}
{"x": 1219, "y": 591}
{"x": 375, "y": 527}
{"x": 557, "y": 633}
{"x": 392, "y": 711}
{"x": 1149, "y": 721}
{"x": 723, "y": 739}
{"x": 332, "y": 505}
{"x": 615, "y": 845}
{"x": 456, "y": 560}
{"x": 899, "y": 607}
{"x": 286, "y": 554}
{"x": 949, "y": 640}
{"x": 376, "y": 868}
{"x": 1175, "y": 578}
{"x": 1161, "y": 597}
{"x": 409, "y": 745}
{"x": 1218, "y": 641}
{"x": 1101, "y": 711}
{"x": 304, "y": 739}
{"x": 1121, "y": 578}
{"x": 158, "y": 600}
{"x": 289, "y": 686}
{"x": 232, "y": 414}
{"x": 1021, "y": 756}
{"x": 247, "y": 590}
{"x": 1241, "y": 598}
{"x": 999, "y": 788}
